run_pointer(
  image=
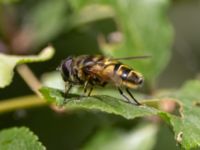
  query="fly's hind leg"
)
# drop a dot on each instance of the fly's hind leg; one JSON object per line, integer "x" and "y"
{"x": 126, "y": 98}
{"x": 127, "y": 90}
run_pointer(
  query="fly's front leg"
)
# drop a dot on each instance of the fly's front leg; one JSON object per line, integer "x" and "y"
{"x": 85, "y": 86}
{"x": 91, "y": 88}
{"x": 68, "y": 87}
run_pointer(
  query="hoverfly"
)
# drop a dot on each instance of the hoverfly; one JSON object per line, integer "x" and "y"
{"x": 88, "y": 70}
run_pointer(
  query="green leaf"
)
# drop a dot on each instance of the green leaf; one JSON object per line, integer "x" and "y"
{"x": 146, "y": 31}
{"x": 19, "y": 139}
{"x": 186, "y": 127}
{"x": 100, "y": 102}
{"x": 46, "y": 20}
{"x": 116, "y": 139}
{"x": 8, "y": 1}
{"x": 85, "y": 15}
{"x": 9, "y": 62}
{"x": 62, "y": 20}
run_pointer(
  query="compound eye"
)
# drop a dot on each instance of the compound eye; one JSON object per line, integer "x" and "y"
{"x": 66, "y": 68}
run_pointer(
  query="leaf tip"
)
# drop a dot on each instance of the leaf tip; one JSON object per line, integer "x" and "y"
{"x": 179, "y": 137}
{"x": 48, "y": 52}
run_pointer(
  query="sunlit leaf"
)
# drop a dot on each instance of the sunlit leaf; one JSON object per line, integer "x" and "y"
{"x": 102, "y": 102}
{"x": 8, "y": 63}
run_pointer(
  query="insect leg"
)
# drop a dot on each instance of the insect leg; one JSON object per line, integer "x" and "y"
{"x": 127, "y": 90}
{"x": 90, "y": 90}
{"x": 121, "y": 92}
{"x": 67, "y": 89}
{"x": 85, "y": 86}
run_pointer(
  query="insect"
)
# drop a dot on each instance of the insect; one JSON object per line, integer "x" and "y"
{"x": 89, "y": 71}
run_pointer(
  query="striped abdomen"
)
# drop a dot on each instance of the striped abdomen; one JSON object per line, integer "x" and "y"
{"x": 123, "y": 75}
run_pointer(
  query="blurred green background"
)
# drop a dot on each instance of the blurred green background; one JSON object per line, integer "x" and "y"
{"x": 76, "y": 27}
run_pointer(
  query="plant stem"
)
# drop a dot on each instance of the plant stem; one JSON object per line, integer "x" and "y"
{"x": 26, "y": 101}
{"x": 20, "y": 103}
{"x": 29, "y": 77}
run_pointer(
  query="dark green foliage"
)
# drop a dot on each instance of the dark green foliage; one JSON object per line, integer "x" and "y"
{"x": 19, "y": 139}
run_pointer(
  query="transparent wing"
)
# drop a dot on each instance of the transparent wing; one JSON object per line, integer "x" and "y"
{"x": 131, "y": 57}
